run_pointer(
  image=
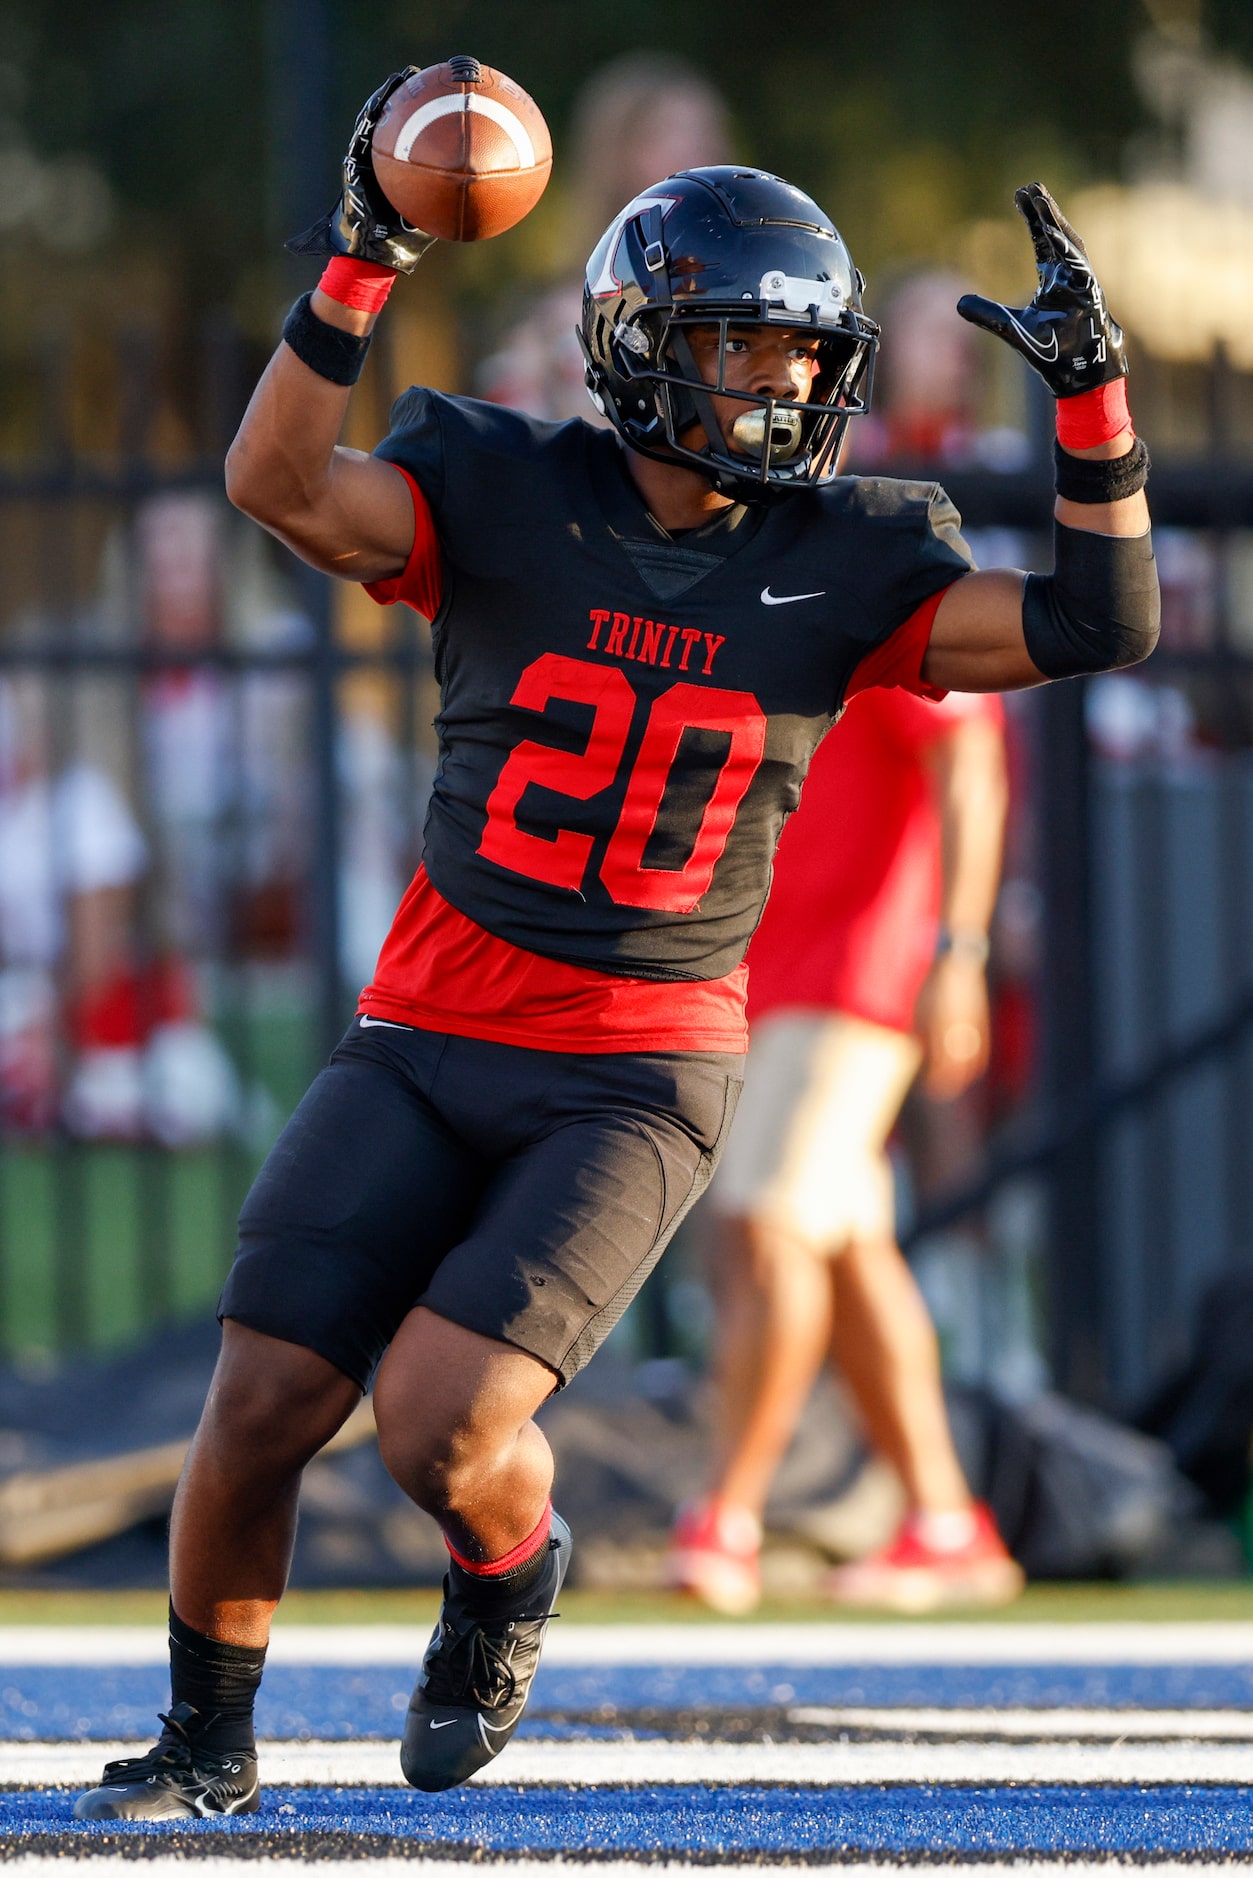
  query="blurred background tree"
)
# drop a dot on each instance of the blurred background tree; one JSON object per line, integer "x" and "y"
{"x": 174, "y": 139}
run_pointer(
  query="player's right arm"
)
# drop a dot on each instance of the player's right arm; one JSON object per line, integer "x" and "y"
{"x": 342, "y": 511}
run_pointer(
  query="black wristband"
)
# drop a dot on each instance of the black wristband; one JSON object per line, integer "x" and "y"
{"x": 326, "y": 350}
{"x": 1093, "y": 479}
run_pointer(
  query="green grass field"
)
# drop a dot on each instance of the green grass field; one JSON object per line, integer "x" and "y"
{"x": 99, "y": 1241}
{"x": 1195, "y": 1602}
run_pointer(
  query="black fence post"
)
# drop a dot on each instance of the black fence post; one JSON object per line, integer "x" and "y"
{"x": 316, "y": 598}
{"x": 1076, "y": 1286}
{"x": 302, "y": 173}
{"x": 303, "y": 139}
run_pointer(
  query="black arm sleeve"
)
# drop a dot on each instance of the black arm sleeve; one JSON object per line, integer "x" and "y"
{"x": 1100, "y": 607}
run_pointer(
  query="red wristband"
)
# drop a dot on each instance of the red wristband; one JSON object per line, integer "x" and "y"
{"x": 364, "y": 285}
{"x": 1092, "y": 417}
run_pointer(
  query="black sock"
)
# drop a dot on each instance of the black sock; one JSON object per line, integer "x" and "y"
{"x": 498, "y": 1590}
{"x": 220, "y": 1680}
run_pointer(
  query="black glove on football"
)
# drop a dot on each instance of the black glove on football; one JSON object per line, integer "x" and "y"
{"x": 363, "y": 222}
{"x": 1066, "y": 333}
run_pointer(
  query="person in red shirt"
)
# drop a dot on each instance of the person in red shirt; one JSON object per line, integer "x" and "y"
{"x": 869, "y": 961}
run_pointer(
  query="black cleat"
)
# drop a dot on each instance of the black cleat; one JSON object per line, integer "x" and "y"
{"x": 477, "y": 1675}
{"x": 177, "y": 1779}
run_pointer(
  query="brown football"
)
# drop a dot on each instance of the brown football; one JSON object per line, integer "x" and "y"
{"x": 461, "y": 151}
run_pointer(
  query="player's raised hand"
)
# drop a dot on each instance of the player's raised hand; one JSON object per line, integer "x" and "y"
{"x": 1065, "y": 333}
{"x": 363, "y": 222}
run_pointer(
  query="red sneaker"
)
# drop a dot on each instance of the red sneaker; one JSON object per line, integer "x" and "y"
{"x": 715, "y": 1553}
{"x": 937, "y": 1561}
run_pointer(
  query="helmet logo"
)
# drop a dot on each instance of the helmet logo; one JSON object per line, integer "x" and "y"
{"x": 601, "y": 269}
{"x": 795, "y": 295}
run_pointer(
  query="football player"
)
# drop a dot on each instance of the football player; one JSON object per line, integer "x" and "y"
{"x": 641, "y": 634}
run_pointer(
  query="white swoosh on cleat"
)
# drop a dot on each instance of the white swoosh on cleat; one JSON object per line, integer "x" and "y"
{"x": 786, "y": 599}
{"x": 446, "y": 1724}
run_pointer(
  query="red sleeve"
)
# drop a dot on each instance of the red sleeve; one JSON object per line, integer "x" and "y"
{"x": 421, "y": 585}
{"x": 898, "y": 661}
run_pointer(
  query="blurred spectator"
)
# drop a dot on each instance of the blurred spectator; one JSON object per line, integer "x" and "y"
{"x": 92, "y": 1034}
{"x": 640, "y": 118}
{"x": 1192, "y": 576}
{"x": 187, "y": 709}
{"x": 1129, "y": 720}
{"x": 224, "y": 786}
{"x": 228, "y": 755}
{"x": 375, "y": 840}
{"x": 225, "y": 752}
{"x": 929, "y": 389}
{"x": 876, "y": 929}
{"x": 929, "y": 378}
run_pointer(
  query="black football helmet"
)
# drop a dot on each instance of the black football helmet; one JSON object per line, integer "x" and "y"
{"x": 729, "y": 248}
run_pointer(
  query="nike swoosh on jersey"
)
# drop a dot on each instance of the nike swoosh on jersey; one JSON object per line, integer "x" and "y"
{"x": 786, "y": 599}
{"x": 1047, "y": 353}
{"x": 382, "y": 1023}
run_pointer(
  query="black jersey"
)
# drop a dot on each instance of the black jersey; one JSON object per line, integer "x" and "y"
{"x": 626, "y": 721}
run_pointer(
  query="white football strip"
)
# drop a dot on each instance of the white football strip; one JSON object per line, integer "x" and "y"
{"x": 463, "y": 101}
{"x": 673, "y": 1645}
{"x": 662, "y": 1763}
{"x": 1066, "y": 1724}
{"x": 573, "y": 1867}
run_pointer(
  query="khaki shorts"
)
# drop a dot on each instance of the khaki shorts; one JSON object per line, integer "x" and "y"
{"x": 821, "y": 1093}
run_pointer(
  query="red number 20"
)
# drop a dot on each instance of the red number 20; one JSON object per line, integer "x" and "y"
{"x": 562, "y": 861}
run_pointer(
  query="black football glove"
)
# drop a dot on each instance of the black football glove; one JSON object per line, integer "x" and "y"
{"x": 363, "y": 222}
{"x": 1066, "y": 333}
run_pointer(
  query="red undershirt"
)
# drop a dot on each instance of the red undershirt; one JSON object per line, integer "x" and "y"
{"x": 440, "y": 971}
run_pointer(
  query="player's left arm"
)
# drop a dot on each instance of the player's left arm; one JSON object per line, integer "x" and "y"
{"x": 1099, "y": 608}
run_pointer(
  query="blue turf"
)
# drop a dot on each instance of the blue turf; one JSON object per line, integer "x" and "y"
{"x": 334, "y": 1704}
{"x": 746, "y": 1819}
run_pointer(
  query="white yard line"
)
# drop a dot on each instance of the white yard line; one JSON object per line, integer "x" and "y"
{"x": 646, "y": 1763}
{"x": 916, "y": 1643}
{"x": 609, "y": 1645}
{"x": 1107, "y": 1724}
{"x": 571, "y": 1867}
